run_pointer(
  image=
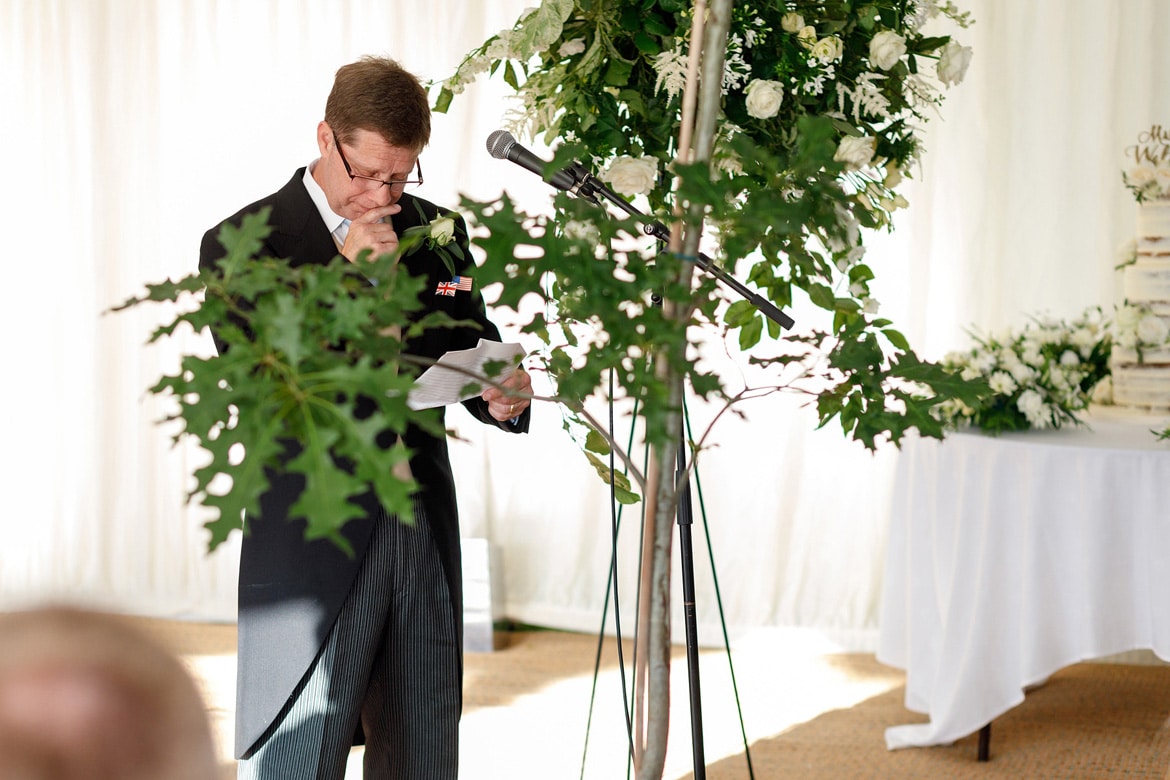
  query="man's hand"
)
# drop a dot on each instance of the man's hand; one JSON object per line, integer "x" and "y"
{"x": 374, "y": 231}
{"x": 504, "y": 406}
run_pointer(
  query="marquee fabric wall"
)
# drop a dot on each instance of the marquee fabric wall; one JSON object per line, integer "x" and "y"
{"x": 134, "y": 125}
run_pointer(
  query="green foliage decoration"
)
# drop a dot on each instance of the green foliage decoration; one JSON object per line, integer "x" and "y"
{"x": 311, "y": 379}
{"x": 822, "y": 101}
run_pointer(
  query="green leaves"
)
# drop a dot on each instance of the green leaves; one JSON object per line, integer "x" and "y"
{"x": 783, "y": 210}
{"x": 310, "y": 380}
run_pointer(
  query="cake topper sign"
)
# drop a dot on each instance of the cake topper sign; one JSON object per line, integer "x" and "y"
{"x": 1152, "y": 148}
{"x": 1148, "y": 176}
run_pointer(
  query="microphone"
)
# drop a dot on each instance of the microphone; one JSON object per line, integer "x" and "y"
{"x": 503, "y": 146}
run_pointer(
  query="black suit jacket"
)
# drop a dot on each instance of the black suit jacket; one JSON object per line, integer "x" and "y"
{"x": 290, "y": 590}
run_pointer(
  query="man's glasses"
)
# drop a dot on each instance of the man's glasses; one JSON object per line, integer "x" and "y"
{"x": 399, "y": 184}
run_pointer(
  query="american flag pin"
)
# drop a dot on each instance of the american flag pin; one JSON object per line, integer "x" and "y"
{"x": 458, "y": 283}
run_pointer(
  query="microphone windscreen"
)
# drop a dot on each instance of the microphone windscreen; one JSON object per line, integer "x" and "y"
{"x": 498, "y": 143}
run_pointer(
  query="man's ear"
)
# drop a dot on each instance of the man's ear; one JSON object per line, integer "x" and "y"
{"x": 324, "y": 137}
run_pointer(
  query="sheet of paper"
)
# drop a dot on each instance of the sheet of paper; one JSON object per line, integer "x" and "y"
{"x": 439, "y": 385}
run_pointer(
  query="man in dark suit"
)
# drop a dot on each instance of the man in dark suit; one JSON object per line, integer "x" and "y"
{"x": 332, "y": 648}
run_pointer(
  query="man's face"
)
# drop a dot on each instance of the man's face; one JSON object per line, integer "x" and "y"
{"x": 368, "y": 155}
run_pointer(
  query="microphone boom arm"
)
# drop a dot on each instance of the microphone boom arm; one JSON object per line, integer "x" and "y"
{"x": 589, "y": 187}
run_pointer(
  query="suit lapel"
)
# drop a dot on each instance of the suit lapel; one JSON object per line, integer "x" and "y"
{"x": 298, "y": 231}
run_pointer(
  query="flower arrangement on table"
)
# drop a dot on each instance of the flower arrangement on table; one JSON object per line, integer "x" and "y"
{"x": 821, "y": 103}
{"x": 1040, "y": 376}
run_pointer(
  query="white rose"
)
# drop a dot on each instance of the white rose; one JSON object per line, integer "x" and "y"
{"x": 1031, "y": 403}
{"x": 1141, "y": 175}
{"x": 792, "y": 22}
{"x": 1163, "y": 177}
{"x": 1127, "y": 317}
{"x": 632, "y": 176}
{"x": 764, "y": 98}
{"x": 442, "y": 230}
{"x": 569, "y": 48}
{"x": 856, "y": 151}
{"x": 953, "y": 62}
{"x": 807, "y": 36}
{"x": 828, "y": 49}
{"x": 886, "y": 48}
{"x": 1152, "y": 330}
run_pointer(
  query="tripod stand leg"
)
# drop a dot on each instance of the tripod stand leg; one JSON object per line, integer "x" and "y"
{"x": 687, "y": 559}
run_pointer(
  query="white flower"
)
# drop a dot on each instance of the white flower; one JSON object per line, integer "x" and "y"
{"x": 828, "y": 49}
{"x": 1141, "y": 176}
{"x": 886, "y": 48}
{"x": 856, "y": 151}
{"x": 1152, "y": 330}
{"x": 501, "y": 47}
{"x": 764, "y": 98}
{"x": 893, "y": 175}
{"x": 1001, "y": 382}
{"x": 1031, "y": 403}
{"x": 807, "y": 36}
{"x": 1070, "y": 358}
{"x": 792, "y": 22}
{"x": 569, "y": 48}
{"x": 672, "y": 71}
{"x": 858, "y": 289}
{"x": 953, "y": 62}
{"x": 870, "y": 305}
{"x": 1022, "y": 373}
{"x": 442, "y": 230}
{"x": 632, "y": 176}
{"x": 1127, "y": 317}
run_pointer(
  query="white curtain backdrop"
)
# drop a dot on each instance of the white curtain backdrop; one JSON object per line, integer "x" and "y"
{"x": 133, "y": 125}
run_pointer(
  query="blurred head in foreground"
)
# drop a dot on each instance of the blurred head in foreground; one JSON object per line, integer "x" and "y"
{"x": 86, "y": 695}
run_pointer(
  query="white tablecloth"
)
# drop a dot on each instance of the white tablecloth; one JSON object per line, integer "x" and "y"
{"x": 1012, "y": 557}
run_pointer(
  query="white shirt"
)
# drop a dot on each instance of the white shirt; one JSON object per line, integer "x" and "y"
{"x": 334, "y": 223}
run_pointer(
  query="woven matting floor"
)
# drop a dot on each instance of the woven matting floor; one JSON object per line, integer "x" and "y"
{"x": 808, "y": 715}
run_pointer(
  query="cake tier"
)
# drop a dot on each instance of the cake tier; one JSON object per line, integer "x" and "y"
{"x": 1148, "y": 281}
{"x": 1153, "y": 229}
{"x": 1128, "y": 357}
{"x": 1142, "y": 388}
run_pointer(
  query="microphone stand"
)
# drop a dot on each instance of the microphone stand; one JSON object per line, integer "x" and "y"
{"x": 589, "y": 187}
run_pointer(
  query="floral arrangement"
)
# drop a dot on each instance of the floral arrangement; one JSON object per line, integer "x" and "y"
{"x": 1139, "y": 329}
{"x": 1148, "y": 178}
{"x": 820, "y": 105}
{"x": 1040, "y": 377}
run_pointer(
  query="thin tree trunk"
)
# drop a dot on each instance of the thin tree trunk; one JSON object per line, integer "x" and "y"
{"x": 713, "y": 25}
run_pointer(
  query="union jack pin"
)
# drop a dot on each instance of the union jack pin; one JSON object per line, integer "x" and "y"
{"x": 458, "y": 283}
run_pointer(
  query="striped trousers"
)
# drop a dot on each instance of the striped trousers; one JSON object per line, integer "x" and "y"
{"x": 390, "y": 662}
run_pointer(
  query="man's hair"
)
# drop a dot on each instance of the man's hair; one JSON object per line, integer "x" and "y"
{"x": 87, "y": 695}
{"x": 377, "y": 94}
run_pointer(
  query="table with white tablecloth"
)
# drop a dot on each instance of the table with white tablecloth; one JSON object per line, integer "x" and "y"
{"x": 1011, "y": 557}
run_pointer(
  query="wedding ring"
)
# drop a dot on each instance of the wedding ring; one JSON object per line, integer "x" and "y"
{"x": 512, "y": 410}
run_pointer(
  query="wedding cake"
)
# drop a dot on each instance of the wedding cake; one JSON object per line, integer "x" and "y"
{"x": 1140, "y": 361}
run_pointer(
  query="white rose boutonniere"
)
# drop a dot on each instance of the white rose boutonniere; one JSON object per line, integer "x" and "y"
{"x": 764, "y": 98}
{"x": 443, "y": 235}
{"x": 632, "y": 175}
{"x": 442, "y": 230}
{"x": 953, "y": 62}
{"x": 856, "y": 151}
{"x": 886, "y": 48}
